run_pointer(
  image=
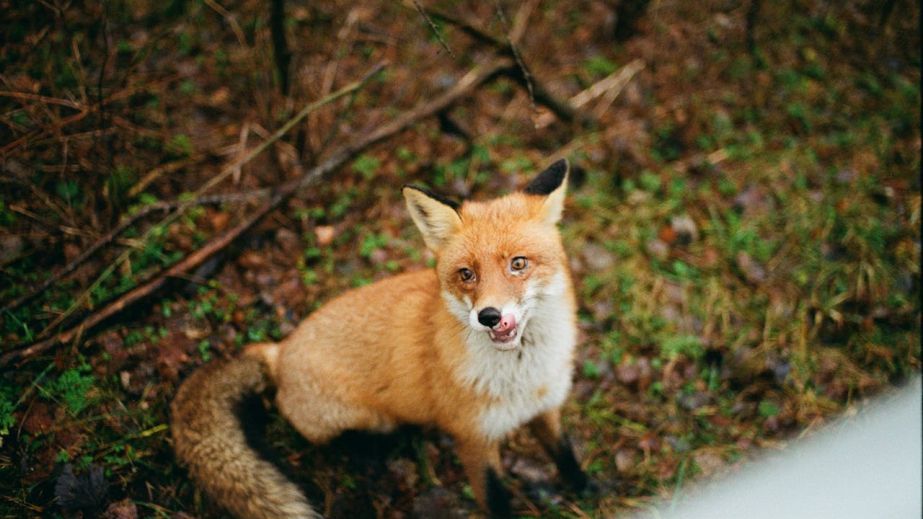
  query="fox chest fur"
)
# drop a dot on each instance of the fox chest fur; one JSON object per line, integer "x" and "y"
{"x": 519, "y": 385}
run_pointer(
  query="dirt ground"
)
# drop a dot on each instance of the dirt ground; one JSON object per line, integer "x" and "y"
{"x": 743, "y": 226}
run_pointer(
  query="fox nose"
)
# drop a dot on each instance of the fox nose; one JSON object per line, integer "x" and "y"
{"x": 489, "y": 317}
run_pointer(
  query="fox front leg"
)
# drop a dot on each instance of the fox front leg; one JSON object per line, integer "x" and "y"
{"x": 546, "y": 428}
{"x": 481, "y": 459}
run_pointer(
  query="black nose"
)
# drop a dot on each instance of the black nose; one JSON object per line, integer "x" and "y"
{"x": 489, "y": 316}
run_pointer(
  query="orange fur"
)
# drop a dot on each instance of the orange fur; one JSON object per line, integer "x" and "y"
{"x": 397, "y": 352}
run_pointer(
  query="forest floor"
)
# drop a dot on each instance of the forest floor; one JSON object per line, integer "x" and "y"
{"x": 743, "y": 227}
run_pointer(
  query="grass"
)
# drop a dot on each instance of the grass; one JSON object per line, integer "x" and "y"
{"x": 744, "y": 235}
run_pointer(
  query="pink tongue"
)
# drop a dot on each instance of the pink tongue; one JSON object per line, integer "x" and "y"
{"x": 507, "y": 322}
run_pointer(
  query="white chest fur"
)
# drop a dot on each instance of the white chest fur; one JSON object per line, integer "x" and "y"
{"x": 529, "y": 380}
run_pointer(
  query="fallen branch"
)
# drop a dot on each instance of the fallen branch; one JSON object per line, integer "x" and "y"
{"x": 523, "y": 14}
{"x": 154, "y": 174}
{"x": 84, "y": 297}
{"x": 519, "y": 73}
{"x": 560, "y": 108}
{"x": 119, "y": 229}
{"x": 57, "y": 125}
{"x": 28, "y": 96}
{"x": 474, "y": 78}
{"x": 433, "y": 27}
{"x": 472, "y": 30}
{"x": 610, "y": 86}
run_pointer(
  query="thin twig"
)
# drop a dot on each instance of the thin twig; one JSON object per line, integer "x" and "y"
{"x": 539, "y": 93}
{"x": 610, "y": 86}
{"x": 231, "y": 19}
{"x": 61, "y": 123}
{"x": 475, "y": 77}
{"x": 521, "y": 20}
{"x": 560, "y": 108}
{"x": 472, "y": 30}
{"x": 330, "y": 72}
{"x": 517, "y": 56}
{"x": 433, "y": 27}
{"x": 157, "y": 172}
{"x": 85, "y": 111}
{"x": 26, "y": 96}
{"x": 242, "y": 148}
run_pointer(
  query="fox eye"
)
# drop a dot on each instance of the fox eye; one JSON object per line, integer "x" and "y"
{"x": 466, "y": 275}
{"x": 518, "y": 264}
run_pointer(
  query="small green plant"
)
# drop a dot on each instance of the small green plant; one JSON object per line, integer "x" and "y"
{"x": 686, "y": 345}
{"x": 599, "y": 66}
{"x": 187, "y": 87}
{"x": 768, "y": 409}
{"x": 649, "y": 181}
{"x": 119, "y": 455}
{"x": 6, "y": 216}
{"x": 405, "y": 154}
{"x": 62, "y": 456}
{"x": 366, "y": 165}
{"x": 371, "y": 243}
{"x": 683, "y": 271}
{"x": 71, "y": 388}
{"x": 204, "y": 348}
{"x": 7, "y": 407}
{"x": 180, "y": 144}
{"x": 517, "y": 164}
{"x": 590, "y": 369}
{"x": 309, "y": 277}
{"x": 68, "y": 190}
{"x": 342, "y": 203}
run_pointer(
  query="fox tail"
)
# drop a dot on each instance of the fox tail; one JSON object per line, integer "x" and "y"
{"x": 209, "y": 438}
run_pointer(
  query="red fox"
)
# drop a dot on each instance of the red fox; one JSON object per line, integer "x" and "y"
{"x": 478, "y": 346}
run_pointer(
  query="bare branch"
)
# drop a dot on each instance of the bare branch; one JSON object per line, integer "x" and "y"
{"x": 433, "y": 27}
{"x": 515, "y": 50}
{"x": 180, "y": 205}
{"x": 609, "y": 87}
{"x": 110, "y": 236}
{"x": 506, "y": 47}
{"x": 474, "y": 78}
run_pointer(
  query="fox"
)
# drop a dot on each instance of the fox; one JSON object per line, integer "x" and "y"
{"x": 478, "y": 346}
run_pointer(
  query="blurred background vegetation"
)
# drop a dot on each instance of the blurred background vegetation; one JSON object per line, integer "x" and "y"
{"x": 743, "y": 225}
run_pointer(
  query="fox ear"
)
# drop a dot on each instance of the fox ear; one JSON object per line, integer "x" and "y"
{"x": 435, "y": 216}
{"x": 552, "y": 184}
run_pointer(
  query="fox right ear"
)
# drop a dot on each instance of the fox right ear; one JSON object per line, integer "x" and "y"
{"x": 551, "y": 184}
{"x": 435, "y": 216}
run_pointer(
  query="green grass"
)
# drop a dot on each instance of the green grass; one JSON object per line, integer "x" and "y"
{"x": 796, "y": 297}
{"x": 71, "y": 389}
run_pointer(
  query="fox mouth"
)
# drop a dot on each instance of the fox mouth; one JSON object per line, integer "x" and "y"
{"x": 503, "y": 337}
{"x": 504, "y": 333}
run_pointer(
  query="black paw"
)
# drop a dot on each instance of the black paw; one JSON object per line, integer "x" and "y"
{"x": 597, "y": 489}
{"x": 542, "y": 493}
{"x": 498, "y": 497}
{"x": 569, "y": 467}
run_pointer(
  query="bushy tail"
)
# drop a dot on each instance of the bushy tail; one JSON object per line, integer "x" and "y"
{"x": 209, "y": 438}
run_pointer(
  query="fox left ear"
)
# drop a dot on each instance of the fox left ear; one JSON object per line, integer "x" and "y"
{"x": 435, "y": 216}
{"x": 552, "y": 184}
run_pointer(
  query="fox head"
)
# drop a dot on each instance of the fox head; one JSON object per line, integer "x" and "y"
{"x": 497, "y": 261}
